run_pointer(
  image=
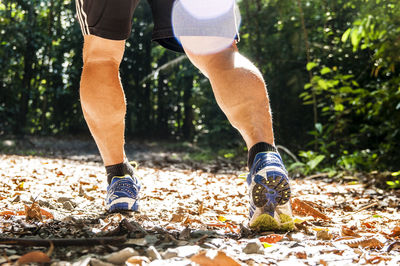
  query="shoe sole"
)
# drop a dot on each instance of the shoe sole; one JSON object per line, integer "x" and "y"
{"x": 267, "y": 194}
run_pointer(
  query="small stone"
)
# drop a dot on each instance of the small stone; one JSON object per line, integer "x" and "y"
{"x": 187, "y": 251}
{"x": 254, "y": 246}
{"x": 68, "y": 206}
{"x": 43, "y": 203}
{"x": 121, "y": 256}
{"x": 153, "y": 253}
{"x": 61, "y": 263}
{"x": 63, "y": 199}
{"x": 170, "y": 253}
{"x": 182, "y": 243}
{"x": 83, "y": 261}
{"x": 185, "y": 234}
{"x": 151, "y": 239}
{"x": 97, "y": 262}
{"x": 137, "y": 261}
{"x": 137, "y": 242}
{"x": 324, "y": 235}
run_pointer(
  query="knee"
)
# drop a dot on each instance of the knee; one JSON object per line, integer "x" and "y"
{"x": 96, "y": 49}
{"x": 210, "y": 64}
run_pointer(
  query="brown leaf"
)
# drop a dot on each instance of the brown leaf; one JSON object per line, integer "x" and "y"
{"x": 394, "y": 246}
{"x": 376, "y": 260}
{"x": 301, "y": 255}
{"x": 177, "y": 217}
{"x": 324, "y": 235}
{"x": 363, "y": 242}
{"x": 213, "y": 258}
{"x": 137, "y": 261}
{"x": 271, "y": 239}
{"x": 302, "y": 208}
{"x": 46, "y": 214}
{"x": 7, "y": 214}
{"x": 349, "y": 232}
{"x": 34, "y": 256}
{"x": 395, "y": 232}
{"x": 33, "y": 212}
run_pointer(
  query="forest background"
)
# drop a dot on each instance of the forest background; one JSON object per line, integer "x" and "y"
{"x": 331, "y": 67}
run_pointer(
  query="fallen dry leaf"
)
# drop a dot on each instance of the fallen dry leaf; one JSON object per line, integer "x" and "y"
{"x": 349, "y": 231}
{"x": 213, "y": 258}
{"x": 33, "y": 212}
{"x": 137, "y": 261}
{"x": 302, "y": 208}
{"x": 34, "y": 256}
{"x": 7, "y": 214}
{"x": 362, "y": 242}
{"x": 395, "y": 232}
{"x": 301, "y": 255}
{"x": 271, "y": 239}
{"x": 177, "y": 217}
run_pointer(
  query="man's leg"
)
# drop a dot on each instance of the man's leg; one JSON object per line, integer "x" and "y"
{"x": 102, "y": 96}
{"x": 241, "y": 93}
{"x": 104, "y": 108}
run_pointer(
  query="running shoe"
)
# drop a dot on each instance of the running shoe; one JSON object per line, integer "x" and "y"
{"x": 269, "y": 187}
{"x": 123, "y": 194}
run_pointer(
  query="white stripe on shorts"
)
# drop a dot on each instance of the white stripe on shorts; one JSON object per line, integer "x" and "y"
{"x": 85, "y": 18}
{"x": 79, "y": 9}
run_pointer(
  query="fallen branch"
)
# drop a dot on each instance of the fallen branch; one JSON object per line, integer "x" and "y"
{"x": 63, "y": 242}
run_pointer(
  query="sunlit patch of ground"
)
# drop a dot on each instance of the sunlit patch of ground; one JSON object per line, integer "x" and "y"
{"x": 198, "y": 210}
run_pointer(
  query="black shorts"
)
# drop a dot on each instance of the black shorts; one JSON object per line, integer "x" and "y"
{"x": 112, "y": 19}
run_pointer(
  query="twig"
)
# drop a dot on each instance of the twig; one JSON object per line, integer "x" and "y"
{"x": 288, "y": 152}
{"x": 316, "y": 176}
{"x": 366, "y": 207}
{"x": 63, "y": 242}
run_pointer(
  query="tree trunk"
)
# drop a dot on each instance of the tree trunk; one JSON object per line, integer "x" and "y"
{"x": 188, "y": 128}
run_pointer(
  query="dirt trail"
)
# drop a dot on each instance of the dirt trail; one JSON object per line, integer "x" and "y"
{"x": 185, "y": 213}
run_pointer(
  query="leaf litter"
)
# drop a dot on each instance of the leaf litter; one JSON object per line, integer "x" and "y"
{"x": 187, "y": 216}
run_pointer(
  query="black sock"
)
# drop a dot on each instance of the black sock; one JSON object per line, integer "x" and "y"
{"x": 120, "y": 169}
{"x": 257, "y": 148}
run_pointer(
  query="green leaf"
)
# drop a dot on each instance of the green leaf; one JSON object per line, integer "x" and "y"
{"x": 339, "y": 107}
{"x": 318, "y": 127}
{"x": 311, "y": 65}
{"x": 396, "y": 173}
{"x": 325, "y": 70}
{"x": 307, "y": 86}
{"x": 345, "y": 35}
{"x": 323, "y": 84}
{"x": 315, "y": 162}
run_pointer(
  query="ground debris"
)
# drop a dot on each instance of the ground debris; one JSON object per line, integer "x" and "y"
{"x": 187, "y": 216}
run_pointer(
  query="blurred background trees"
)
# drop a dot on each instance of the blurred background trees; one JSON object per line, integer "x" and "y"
{"x": 331, "y": 67}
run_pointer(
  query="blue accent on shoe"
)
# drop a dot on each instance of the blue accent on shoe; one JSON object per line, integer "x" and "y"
{"x": 269, "y": 184}
{"x": 123, "y": 194}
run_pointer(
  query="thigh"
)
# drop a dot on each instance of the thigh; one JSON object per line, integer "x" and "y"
{"x": 109, "y": 19}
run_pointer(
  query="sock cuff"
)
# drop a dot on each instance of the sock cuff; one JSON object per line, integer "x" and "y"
{"x": 257, "y": 148}
{"x": 120, "y": 169}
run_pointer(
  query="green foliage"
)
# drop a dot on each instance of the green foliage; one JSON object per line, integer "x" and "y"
{"x": 358, "y": 106}
{"x": 311, "y": 161}
{"x": 396, "y": 182}
{"x": 348, "y": 68}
